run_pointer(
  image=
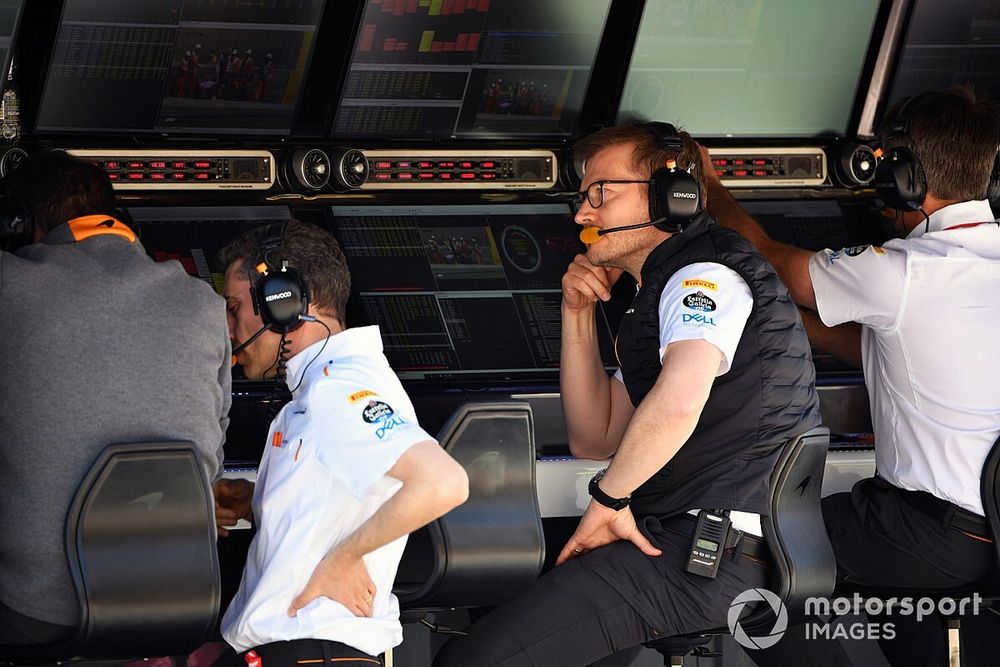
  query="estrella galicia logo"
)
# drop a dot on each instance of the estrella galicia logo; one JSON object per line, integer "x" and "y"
{"x": 698, "y": 301}
{"x": 780, "y": 618}
{"x": 697, "y": 320}
{"x": 376, "y": 411}
{"x": 383, "y": 416}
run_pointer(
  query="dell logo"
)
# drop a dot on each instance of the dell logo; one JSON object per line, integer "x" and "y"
{"x": 685, "y": 195}
{"x": 279, "y": 295}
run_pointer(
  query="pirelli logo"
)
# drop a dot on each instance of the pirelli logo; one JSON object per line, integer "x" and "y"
{"x": 703, "y": 284}
{"x": 360, "y": 395}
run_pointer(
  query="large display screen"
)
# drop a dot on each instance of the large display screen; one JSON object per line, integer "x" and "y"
{"x": 464, "y": 291}
{"x": 10, "y": 13}
{"x": 749, "y": 68}
{"x": 178, "y": 66}
{"x": 949, "y": 44}
{"x": 470, "y": 68}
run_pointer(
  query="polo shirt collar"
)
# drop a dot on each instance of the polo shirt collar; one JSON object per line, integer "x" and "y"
{"x": 955, "y": 214}
{"x": 356, "y": 341}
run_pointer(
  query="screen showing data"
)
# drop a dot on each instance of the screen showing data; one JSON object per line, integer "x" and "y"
{"x": 200, "y": 66}
{"x": 465, "y": 291}
{"x": 470, "y": 68}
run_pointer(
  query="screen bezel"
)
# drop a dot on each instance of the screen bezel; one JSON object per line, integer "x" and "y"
{"x": 583, "y": 113}
{"x": 311, "y": 127}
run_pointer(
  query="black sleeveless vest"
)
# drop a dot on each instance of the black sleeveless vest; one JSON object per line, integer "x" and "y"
{"x": 767, "y": 396}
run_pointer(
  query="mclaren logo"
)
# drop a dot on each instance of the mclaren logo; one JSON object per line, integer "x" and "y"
{"x": 685, "y": 195}
{"x": 279, "y": 295}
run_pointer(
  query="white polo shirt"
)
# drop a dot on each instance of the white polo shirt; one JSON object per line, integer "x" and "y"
{"x": 323, "y": 474}
{"x": 930, "y": 309}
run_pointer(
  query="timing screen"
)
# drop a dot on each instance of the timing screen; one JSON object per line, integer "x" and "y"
{"x": 462, "y": 291}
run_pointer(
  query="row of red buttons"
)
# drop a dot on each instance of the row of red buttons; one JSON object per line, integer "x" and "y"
{"x": 160, "y": 176}
{"x": 744, "y": 172}
{"x": 737, "y": 162}
{"x": 113, "y": 165}
{"x": 443, "y": 176}
{"x": 386, "y": 164}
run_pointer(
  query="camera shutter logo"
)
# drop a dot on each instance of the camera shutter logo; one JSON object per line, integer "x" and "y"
{"x": 757, "y": 595}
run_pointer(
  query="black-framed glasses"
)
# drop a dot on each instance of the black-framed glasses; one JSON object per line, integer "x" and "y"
{"x": 595, "y": 193}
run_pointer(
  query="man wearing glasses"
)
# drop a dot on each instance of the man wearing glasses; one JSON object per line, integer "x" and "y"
{"x": 716, "y": 374}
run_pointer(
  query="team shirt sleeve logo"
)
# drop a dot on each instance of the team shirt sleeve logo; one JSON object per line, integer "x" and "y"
{"x": 382, "y": 416}
{"x": 701, "y": 304}
{"x": 698, "y": 282}
{"x": 698, "y": 301}
{"x": 360, "y": 395}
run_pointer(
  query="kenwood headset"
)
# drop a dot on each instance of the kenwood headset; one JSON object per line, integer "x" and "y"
{"x": 280, "y": 296}
{"x": 674, "y": 195}
{"x": 900, "y": 180}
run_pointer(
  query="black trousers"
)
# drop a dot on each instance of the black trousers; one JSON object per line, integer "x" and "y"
{"x": 300, "y": 652}
{"x": 881, "y": 541}
{"x": 605, "y": 601}
{"x": 16, "y": 629}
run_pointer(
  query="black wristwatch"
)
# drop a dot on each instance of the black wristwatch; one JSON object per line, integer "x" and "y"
{"x": 603, "y": 498}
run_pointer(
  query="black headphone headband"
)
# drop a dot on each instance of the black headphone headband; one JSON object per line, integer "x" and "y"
{"x": 280, "y": 295}
{"x": 674, "y": 195}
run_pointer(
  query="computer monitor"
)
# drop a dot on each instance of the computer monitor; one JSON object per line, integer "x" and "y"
{"x": 767, "y": 68}
{"x": 949, "y": 44}
{"x": 170, "y": 66}
{"x": 10, "y": 15}
{"x": 465, "y": 292}
{"x": 470, "y": 68}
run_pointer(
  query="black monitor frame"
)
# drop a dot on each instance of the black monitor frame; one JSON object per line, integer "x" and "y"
{"x": 310, "y": 118}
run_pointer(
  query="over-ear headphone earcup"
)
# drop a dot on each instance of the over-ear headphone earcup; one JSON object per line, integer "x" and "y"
{"x": 674, "y": 195}
{"x": 993, "y": 189}
{"x": 900, "y": 180}
{"x": 280, "y": 298}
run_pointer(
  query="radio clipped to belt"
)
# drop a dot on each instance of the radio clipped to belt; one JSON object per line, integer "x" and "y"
{"x": 712, "y": 534}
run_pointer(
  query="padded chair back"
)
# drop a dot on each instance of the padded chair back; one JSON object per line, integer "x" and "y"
{"x": 804, "y": 564}
{"x": 990, "y": 489}
{"x": 491, "y": 548}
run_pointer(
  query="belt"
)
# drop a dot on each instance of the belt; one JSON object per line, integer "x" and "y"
{"x": 737, "y": 543}
{"x": 308, "y": 653}
{"x": 949, "y": 514}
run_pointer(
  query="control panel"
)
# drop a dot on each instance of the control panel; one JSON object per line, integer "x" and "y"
{"x": 184, "y": 170}
{"x": 472, "y": 169}
{"x": 770, "y": 167}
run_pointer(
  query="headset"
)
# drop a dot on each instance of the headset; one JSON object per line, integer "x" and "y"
{"x": 674, "y": 195}
{"x": 900, "y": 179}
{"x": 280, "y": 296}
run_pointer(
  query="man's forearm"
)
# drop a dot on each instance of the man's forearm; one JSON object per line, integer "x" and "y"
{"x": 584, "y": 385}
{"x": 842, "y": 341}
{"x": 728, "y": 213}
{"x": 415, "y": 505}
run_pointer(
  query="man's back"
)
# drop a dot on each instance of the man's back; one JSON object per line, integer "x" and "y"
{"x": 99, "y": 346}
{"x": 932, "y": 367}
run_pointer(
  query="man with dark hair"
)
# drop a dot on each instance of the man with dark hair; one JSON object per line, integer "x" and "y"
{"x": 100, "y": 345}
{"x": 347, "y": 472}
{"x": 716, "y": 374}
{"x": 923, "y": 318}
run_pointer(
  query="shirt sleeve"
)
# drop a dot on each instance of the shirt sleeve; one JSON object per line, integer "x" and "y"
{"x": 861, "y": 284}
{"x": 705, "y": 301}
{"x": 368, "y": 432}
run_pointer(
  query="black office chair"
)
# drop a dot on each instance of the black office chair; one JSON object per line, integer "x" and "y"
{"x": 804, "y": 564}
{"x": 491, "y": 548}
{"x": 141, "y": 547}
{"x": 988, "y": 587}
